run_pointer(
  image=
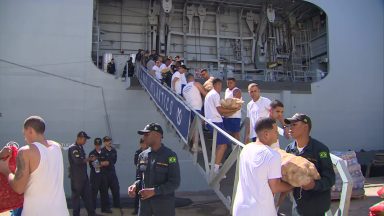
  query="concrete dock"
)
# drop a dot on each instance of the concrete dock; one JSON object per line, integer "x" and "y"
{"x": 208, "y": 204}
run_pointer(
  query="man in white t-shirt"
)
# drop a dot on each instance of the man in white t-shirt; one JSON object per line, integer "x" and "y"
{"x": 276, "y": 112}
{"x": 259, "y": 174}
{"x": 39, "y": 172}
{"x": 257, "y": 108}
{"x": 193, "y": 93}
{"x": 213, "y": 111}
{"x": 232, "y": 122}
{"x": 159, "y": 65}
{"x": 178, "y": 79}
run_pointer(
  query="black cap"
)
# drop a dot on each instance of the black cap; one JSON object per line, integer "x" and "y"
{"x": 151, "y": 127}
{"x": 299, "y": 117}
{"x": 183, "y": 66}
{"x": 83, "y": 134}
{"x": 98, "y": 141}
{"x": 107, "y": 138}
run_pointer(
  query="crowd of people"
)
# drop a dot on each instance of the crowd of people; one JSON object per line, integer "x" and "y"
{"x": 39, "y": 173}
{"x": 260, "y": 163}
{"x": 102, "y": 175}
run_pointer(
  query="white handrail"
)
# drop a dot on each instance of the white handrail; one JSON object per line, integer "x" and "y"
{"x": 346, "y": 191}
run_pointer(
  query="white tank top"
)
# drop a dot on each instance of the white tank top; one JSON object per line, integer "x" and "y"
{"x": 44, "y": 194}
{"x": 229, "y": 94}
{"x": 192, "y": 95}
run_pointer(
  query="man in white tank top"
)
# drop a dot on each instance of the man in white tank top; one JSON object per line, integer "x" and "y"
{"x": 192, "y": 93}
{"x": 39, "y": 172}
{"x": 232, "y": 123}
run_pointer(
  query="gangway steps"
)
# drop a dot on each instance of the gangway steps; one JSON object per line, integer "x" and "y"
{"x": 225, "y": 188}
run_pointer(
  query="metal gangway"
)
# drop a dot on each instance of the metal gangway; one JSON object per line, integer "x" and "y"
{"x": 225, "y": 182}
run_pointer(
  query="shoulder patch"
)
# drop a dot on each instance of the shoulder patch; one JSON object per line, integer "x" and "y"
{"x": 172, "y": 160}
{"x": 323, "y": 154}
{"x": 76, "y": 153}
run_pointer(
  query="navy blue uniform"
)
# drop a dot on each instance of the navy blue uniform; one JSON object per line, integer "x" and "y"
{"x": 111, "y": 68}
{"x": 318, "y": 200}
{"x": 79, "y": 180}
{"x": 162, "y": 172}
{"x": 99, "y": 182}
{"x": 110, "y": 173}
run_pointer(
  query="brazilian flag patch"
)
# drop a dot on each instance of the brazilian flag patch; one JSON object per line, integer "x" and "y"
{"x": 172, "y": 160}
{"x": 323, "y": 154}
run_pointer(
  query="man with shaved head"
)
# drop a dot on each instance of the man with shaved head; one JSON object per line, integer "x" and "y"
{"x": 257, "y": 108}
{"x": 39, "y": 172}
{"x": 259, "y": 173}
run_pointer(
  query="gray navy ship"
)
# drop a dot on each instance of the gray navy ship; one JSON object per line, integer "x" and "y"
{"x": 320, "y": 57}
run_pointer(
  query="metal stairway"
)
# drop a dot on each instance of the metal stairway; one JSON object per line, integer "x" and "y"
{"x": 192, "y": 134}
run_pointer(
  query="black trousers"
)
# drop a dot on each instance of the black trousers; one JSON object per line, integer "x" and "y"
{"x": 157, "y": 206}
{"x": 99, "y": 184}
{"x": 81, "y": 189}
{"x": 113, "y": 184}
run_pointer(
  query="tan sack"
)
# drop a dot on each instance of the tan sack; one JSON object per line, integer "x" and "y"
{"x": 296, "y": 170}
{"x": 208, "y": 84}
{"x": 165, "y": 70}
{"x": 231, "y": 103}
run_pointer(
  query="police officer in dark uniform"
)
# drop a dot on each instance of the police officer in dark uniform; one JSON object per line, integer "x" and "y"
{"x": 313, "y": 199}
{"x": 110, "y": 172}
{"x": 160, "y": 175}
{"x": 78, "y": 174}
{"x": 98, "y": 177}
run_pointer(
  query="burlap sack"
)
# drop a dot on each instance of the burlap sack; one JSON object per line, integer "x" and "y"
{"x": 208, "y": 84}
{"x": 165, "y": 70}
{"x": 296, "y": 170}
{"x": 231, "y": 103}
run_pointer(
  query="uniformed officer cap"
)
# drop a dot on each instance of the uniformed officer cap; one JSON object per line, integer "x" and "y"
{"x": 107, "y": 138}
{"x": 98, "y": 141}
{"x": 299, "y": 117}
{"x": 151, "y": 127}
{"x": 83, "y": 134}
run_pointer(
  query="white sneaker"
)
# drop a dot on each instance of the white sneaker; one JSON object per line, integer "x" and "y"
{"x": 217, "y": 172}
{"x": 196, "y": 149}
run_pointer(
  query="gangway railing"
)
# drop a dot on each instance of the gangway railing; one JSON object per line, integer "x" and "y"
{"x": 205, "y": 160}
